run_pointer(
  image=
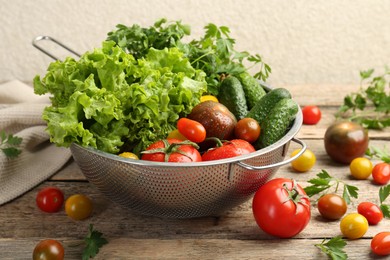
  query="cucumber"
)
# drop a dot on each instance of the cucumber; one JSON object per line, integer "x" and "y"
{"x": 277, "y": 123}
{"x": 264, "y": 106}
{"x": 252, "y": 89}
{"x": 232, "y": 95}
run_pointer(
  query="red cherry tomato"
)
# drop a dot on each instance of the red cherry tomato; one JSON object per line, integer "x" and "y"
{"x": 172, "y": 150}
{"x": 228, "y": 149}
{"x": 50, "y": 199}
{"x": 381, "y": 173}
{"x": 371, "y": 212}
{"x": 311, "y": 115}
{"x": 281, "y": 208}
{"x": 332, "y": 206}
{"x": 48, "y": 249}
{"x": 380, "y": 243}
{"x": 247, "y": 129}
{"x": 191, "y": 129}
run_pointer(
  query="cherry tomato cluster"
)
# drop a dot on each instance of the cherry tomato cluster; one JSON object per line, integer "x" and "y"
{"x": 361, "y": 168}
{"x": 51, "y": 200}
{"x": 346, "y": 142}
{"x": 197, "y": 138}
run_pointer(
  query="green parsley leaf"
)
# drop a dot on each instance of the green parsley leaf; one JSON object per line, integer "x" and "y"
{"x": 384, "y": 192}
{"x": 325, "y": 181}
{"x": 334, "y": 248}
{"x": 94, "y": 241}
{"x": 385, "y": 210}
{"x": 370, "y": 105}
{"x": 214, "y": 52}
{"x": 9, "y": 144}
{"x": 376, "y": 153}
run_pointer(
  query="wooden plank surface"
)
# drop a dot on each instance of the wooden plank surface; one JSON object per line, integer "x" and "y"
{"x": 233, "y": 235}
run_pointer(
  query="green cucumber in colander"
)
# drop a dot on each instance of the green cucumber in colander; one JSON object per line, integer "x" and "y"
{"x": 264, "y": 106}
{"x": 277, "y": 123}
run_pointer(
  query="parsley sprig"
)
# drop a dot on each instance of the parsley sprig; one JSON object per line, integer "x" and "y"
{"x": 334, "y": 248}
{"x": 9, "y": 144}
{"x": 384, "y": 192}
{"x": 214, "y": 52}
{"x": 377, "y": 153}
{"x": 370, "y": 105}
{"x": 94, "y": 241}
{"x": 324, "y": 182}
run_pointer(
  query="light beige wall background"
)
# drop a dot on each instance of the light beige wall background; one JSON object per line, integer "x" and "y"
{"x": 305, "y": 42}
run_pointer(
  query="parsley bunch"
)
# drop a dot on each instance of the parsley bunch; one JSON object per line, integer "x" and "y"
{"x": 324, "y": 182}
{"x": 384, "y": 192}
{"x": 370, "y": 106}
{"x": 377, "y": 153}
{"x": 9, "y": 144}
{"x": 213, "y": 53}
{"x": 334, "y": 248}
{"x": 94, "y": 241}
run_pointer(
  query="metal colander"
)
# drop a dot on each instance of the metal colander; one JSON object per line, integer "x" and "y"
{"x": 181, "y": 190}
{"x": 184, "y": 190}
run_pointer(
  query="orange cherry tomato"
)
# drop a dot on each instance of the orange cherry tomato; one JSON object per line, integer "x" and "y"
{"x": 78, "y": 207}
{"x": 247, "y": 129}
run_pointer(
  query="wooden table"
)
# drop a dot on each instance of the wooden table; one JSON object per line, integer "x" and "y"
{"x": 233, "y": 235}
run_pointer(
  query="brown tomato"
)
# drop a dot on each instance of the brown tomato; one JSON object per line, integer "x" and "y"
{"x": 345, "y": 141}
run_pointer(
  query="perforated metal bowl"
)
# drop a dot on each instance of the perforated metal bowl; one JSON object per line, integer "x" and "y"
{"x": 184, "y": 190}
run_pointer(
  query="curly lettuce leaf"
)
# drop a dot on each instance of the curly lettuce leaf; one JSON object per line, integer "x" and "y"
{"x": 108, "y": 99}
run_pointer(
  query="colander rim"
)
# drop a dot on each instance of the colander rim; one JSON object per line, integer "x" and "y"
{"x": 297, "y": 123}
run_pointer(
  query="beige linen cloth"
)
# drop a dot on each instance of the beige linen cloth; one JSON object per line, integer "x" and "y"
{"x": 20, "y": 114}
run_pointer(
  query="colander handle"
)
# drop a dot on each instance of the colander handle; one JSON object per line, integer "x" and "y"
{"x": 278, "y": 164}
{"x": 48, "y": 38}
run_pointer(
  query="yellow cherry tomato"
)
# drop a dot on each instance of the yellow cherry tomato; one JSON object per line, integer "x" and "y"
{"x": 361, "y": 168}
{"x": 175, "y": 134}
{"x": 304, "y": 162}
{"x": 78, "y": 207}
{"x": 208, "y": 97}
{"x": 129, "y": 155}
{"x": 354, "y": 225}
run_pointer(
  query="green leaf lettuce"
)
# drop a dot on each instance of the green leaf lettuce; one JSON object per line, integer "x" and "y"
{"x": 108, "y": 99}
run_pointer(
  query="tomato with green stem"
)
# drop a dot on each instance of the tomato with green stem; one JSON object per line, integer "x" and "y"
{"x": 48, "y": 249}
{"x": 281, "y": 208}
{"x": 371, "y": 212}
{"x": 381, "y": 173}
{"x": 332, "y": 206}
{"x": 227, "y": 149}
{"x": 380, "y": 244}
{"x": 78, "y": 206}
{"x": 50, "y": 199}
{"x": 172, "y": 150}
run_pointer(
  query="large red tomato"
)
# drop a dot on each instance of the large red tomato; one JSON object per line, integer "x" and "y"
{"x": 172, "y": 150}
{"x": 228, "y": 149}
{"x": 281, "y": 208}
